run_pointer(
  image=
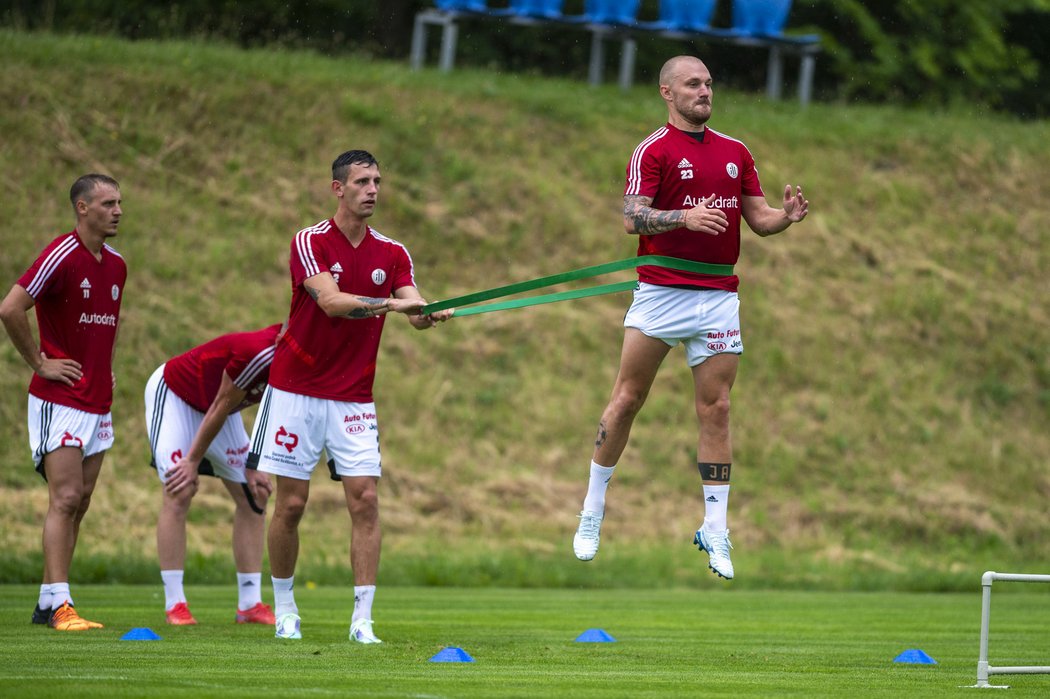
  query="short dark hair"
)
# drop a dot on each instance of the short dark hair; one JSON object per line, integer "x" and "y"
{"x": 341, "y": 165}
{"x": 86, "y": 184}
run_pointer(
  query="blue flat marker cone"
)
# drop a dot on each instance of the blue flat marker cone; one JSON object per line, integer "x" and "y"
{"x": 915, "y": 656}
{"x": 595, "y": 636}
{"x": 452, "y": 655}
{"x": 140, "y": 634}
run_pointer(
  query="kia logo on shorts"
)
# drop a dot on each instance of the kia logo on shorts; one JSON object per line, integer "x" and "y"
{"x": 105, "y": 434}
{"x": 716, "y": 346}
{"x": 356, "y": 428}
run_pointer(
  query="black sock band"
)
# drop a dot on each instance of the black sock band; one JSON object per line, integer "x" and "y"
{"x": 714, "y": 472}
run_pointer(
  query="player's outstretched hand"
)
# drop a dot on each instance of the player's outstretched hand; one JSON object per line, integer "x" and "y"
{"x": 429, "y": 320}
{"x": 796, "y": 206}
{"x": 65, "y": 371}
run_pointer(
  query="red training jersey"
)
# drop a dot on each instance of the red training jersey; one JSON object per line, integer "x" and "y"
{"x": 195, "y": 376}
{"x": 335, "y": 358}
{"x": 678, "y": 171}
{"x": 77, "y": 300}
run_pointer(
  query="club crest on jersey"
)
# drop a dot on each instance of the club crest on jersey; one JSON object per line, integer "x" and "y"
{"x": 86, "y": 287}
{"x": 115, "y": 292}
{"x": 732, "y": 170}
{"x": 336, "y": 270}
{"x": 378, "y": 276}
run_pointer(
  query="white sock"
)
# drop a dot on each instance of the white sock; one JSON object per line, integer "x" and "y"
{"x": 596, "y": 487}
{"x": 173, "y": 592}
{"x": 363, "y": 595}
{"x": 60, "y": 595}
{"x": 716, "y": 501}
{"x": 283, "y": 596}
{"x": 249, "y": 593}
{"x": 44, "y": 600}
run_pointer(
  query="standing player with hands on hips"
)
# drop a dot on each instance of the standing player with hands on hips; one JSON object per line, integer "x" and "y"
{"x": 77, "y": 285}
{"x": 687, "y": 188}
{"x": 346, "y": 277}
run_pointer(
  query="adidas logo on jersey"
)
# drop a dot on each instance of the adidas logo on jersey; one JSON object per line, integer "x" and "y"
{"x": 337, "y": 267}
{"x": 685, "y": 163}
{"x": 86, "y": 286}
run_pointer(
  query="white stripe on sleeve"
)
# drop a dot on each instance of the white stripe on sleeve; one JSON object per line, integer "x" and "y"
{"x": 50, "y": 264}
{"x": 634, "y": 168}
{"x": 258, "y": 363}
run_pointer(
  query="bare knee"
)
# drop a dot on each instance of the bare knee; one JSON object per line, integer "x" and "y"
{"x": 363, "y": 503}
{"x": 626, "y": 403}
{"x": 255, "y": 508}
{"x": 289, "y": 510}
{"x": 252, "y": 506}
{"x": 714, "y": 411}
{"x": 85, "y": 503}
{"x": 179, "y": 503}
{"x": 69, "y": 502}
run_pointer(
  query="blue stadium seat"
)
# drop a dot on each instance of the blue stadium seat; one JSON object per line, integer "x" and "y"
{"x": 756, "y": 23}
{"x": 687, "y": 15}
{"x": 766, "y": 19}
{"x": 760, "y": 17}
{"x": 679, "y": 18}
{"x": 618, "y": 12}
{"x": 462, "y": 5}
{"x": 611, "y": 11}
{"x": 544, "y": 9}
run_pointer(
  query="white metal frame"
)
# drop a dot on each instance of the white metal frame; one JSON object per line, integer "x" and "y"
{"x": 984, "y": 669}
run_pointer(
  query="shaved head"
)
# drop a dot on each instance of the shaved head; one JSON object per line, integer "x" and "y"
{"x": 677, "y": 66}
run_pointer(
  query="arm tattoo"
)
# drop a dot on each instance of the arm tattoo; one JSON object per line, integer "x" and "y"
{"x": 647, "y": 220}
{"x": 371, "y": 310}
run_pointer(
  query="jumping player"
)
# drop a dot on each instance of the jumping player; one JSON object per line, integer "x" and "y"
{"x": 687, "y": 188}
{"x": 76, "y": 285}
{"x": 193, "y": 418}
{"x": 346, "y": 277}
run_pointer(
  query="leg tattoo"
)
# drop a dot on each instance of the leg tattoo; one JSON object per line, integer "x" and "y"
{"x": 602, "y": 434}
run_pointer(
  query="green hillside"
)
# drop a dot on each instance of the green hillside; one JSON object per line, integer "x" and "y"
{"x": 889, "y": 417}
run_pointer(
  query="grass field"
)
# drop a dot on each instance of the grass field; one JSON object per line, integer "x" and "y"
{"x": 667, "y": 643}
{"x": 891, "y": 410}
{"x": 890, "y": 418}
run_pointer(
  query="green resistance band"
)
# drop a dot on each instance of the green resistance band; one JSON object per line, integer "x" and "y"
{"x": 594, "y": 271}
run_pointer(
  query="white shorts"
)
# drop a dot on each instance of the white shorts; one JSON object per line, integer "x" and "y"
{"x": 291, "y": 430}
{"x": 52, "y": 426}
{"x": 172, "y": 423}
{"x": 706, "y": 320}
